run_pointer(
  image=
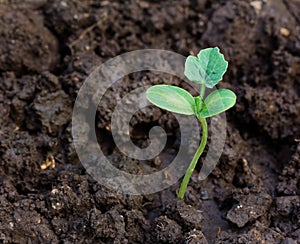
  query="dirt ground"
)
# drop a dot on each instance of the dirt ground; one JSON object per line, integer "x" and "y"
{"x": 48, "y": 48}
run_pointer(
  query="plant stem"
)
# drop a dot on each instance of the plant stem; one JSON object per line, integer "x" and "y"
{"x": 202, "y": 91}
{"x": 197, "y": 155}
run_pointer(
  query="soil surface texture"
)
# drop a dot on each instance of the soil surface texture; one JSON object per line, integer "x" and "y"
{"x": 48, "y": 49}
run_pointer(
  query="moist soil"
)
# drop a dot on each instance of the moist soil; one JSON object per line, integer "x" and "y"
{"x": 47, "y": 50}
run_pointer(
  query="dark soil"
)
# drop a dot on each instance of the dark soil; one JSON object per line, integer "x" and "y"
{"x": 48, "y": 48}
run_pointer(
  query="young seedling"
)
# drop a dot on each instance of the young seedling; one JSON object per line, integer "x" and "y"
{"x": 206, "y": 69}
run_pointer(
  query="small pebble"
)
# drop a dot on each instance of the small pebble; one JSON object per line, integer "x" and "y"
{"x": 157, "y": 161}
{"x": 246, "y": 190}
{"x": 257, "y": 5}
{"x": 63, "y": 4}
{"x": 284, "y": 32}
{"x": 204, "y": 195}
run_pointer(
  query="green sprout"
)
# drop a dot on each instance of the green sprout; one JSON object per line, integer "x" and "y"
{"x": 206, "y": 69}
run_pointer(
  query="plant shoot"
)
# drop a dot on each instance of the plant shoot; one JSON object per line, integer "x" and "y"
{"x": 206, "y": 69}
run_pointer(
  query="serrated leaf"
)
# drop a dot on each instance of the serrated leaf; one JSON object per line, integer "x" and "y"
{"x": 217, "y": 102}
{"x": 171, "y": 98}
{"x": 208, "y": 68}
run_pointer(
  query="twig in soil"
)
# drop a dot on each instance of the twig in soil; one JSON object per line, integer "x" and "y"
{"x": 218, "y": 233}
{"x": 146, "y": 204}
{"x": 50, "y": 161}
{"x": 86, "y": 31}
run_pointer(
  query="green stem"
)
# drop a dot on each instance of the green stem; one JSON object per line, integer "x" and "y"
{"x": 202, "y": 91}
{"x": 197, "y": 155}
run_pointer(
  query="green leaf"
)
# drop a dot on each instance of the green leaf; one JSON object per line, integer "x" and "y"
{"x": 208, "y": 68}
{"x": 191, "y": 69}
{"x": 171, "y": 98}
{"x": 217, "y": 102}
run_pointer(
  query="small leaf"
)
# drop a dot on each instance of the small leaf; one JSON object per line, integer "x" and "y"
{"x": 208, "y": 68}
{"x": 217, "y": 102}
{"x": 171, "y": 98}
{"x": 212, "y": 66}
{"x": 191, "y": 69}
